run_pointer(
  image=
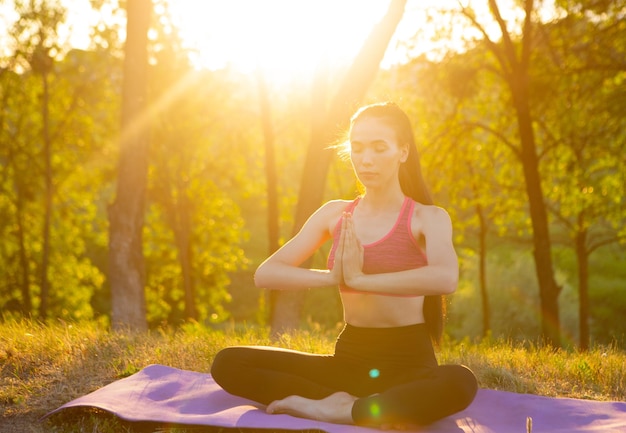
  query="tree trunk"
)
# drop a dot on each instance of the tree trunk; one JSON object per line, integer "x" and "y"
{"x": 26, "y": 305}
{"x": 178, "y": 211}
{"x": 548, "y": 289}
{"x": 483, "y": 228}
{"x": 271, "y": 179}
{"x": 47, "y": 155}
{"x": 582, "y": 259}
{"x": 126, "y": 214}
{"x": 182, "y": 232}
{"x": 515, "y": 71}
{"x": 482, "y": 270}
{"x": 286, "y": 310}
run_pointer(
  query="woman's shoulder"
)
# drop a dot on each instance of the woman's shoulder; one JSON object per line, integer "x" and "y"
{"x": 429, "y": 213}
{"x": 335, "y": 206}
{"x": 331, "y": 211}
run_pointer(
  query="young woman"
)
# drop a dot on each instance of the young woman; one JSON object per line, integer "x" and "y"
{"x": 393, "y": 259}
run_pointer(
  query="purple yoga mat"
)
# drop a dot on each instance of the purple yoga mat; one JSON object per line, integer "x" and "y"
{"x": 169, "y": 395}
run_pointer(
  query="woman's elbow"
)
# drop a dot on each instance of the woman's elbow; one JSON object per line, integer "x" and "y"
{"x": 260, "y": 277}
{"x": 449, "y": 283}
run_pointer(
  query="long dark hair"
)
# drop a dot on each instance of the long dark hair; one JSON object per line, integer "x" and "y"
{"x": 413, "y": 186}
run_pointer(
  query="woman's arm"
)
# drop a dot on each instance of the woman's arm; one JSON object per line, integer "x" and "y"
{"x": 282, "y": 269}
{"x": 440, "y": 276}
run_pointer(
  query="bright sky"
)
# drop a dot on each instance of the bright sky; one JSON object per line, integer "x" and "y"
{"x": 278, "y": 34}
{"x": 285, "y": 38}
{"x": 288, "y": 36}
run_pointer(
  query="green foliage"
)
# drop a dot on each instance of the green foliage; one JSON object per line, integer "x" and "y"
{"x": 217, "y": 230}
{"x": 84, "y": 115}
{"x": 77, "y": 139}
{"x": 513, "y": 298}
{"x": 608, "y": 297}
{"x": 514, "y": 303}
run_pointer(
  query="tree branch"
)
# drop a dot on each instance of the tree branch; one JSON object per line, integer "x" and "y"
{"x": 495, "y": 133}
{"x": 509, "y": 47}
{"x": 491, "y": 45}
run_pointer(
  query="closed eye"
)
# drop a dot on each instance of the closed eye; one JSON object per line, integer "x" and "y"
{"x": 381, "y": 147}
{"x": 377, "y": 146}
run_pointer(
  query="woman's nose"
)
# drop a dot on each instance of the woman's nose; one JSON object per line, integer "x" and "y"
{"x": 368, "y": 157}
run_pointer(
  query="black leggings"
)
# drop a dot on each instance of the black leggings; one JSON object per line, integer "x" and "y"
{"x": 393, "y": 371}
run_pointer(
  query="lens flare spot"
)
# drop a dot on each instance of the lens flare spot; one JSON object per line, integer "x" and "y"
{"x": 374, "y": 410}
{"x": 374, "y": 373}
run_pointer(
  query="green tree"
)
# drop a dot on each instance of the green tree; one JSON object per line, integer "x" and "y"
{"x": 37, "y": 28}
{"x": 512, "y": 57}
{"x": 17, "y": 200}
{"x": 194, "y": 228}
{"x": 45, "y": 188}
{"x": 582, "y": 122}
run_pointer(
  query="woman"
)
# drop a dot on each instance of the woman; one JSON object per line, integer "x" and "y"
{"x": 393, "y": 259}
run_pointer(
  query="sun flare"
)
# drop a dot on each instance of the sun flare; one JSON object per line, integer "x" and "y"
{"x": 281, "y": 37}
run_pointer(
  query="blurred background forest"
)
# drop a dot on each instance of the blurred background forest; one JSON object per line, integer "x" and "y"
{"x": 519, "y": 113}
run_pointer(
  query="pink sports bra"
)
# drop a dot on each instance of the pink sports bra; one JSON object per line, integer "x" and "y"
{"x": 396, "y": 251}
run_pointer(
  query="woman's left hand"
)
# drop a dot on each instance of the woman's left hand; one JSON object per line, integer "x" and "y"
{"x": 352, "y": 258}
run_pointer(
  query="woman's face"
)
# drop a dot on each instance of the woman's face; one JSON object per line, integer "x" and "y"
{"x": 375, "y": 152}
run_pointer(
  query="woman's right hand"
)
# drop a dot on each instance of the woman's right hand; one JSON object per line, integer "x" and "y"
{"x": 351, "y": 254}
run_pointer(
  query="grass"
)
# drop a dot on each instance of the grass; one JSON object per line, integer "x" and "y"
{"x": 45, "y": 366}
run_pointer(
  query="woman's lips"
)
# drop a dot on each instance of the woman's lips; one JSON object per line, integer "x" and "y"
{"x": 367, "y": 175}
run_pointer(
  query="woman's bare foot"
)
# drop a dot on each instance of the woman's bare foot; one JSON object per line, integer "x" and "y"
{"x": 336, "y": 408}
